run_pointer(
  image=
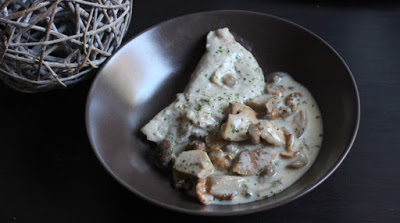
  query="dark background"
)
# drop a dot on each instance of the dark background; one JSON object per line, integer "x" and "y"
{"x": 49, "y": 173}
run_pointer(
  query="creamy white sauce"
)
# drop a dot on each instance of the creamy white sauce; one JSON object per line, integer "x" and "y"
{"x": 203, "y": 105}
{"x": 229, "y": 73}
{"x": 309, "y": 143}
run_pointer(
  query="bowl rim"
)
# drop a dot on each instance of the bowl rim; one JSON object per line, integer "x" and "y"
{"x": 239, "y": 212}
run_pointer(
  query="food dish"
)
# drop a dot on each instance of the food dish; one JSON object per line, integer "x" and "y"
{"x": 231, "y": 138}
{"x": 146, "y": 73}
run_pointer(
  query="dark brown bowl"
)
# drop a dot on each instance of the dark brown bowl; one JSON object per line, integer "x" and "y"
{"x": 144, "y": 76}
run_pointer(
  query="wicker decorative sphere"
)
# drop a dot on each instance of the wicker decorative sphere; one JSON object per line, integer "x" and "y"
{"x": 47, "y": 44}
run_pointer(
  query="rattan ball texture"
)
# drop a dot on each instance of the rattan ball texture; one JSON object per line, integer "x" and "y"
{"x": 52, "y": 44}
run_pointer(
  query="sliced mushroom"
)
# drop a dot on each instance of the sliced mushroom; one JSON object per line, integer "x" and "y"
{"x": 241, "y": 117}
{"x": 218, "y": 158}
{"x": 277, "y": 90}
{"x": 289, "y": 155}
{"x": 270, "y": 171}
{"x": 229, "y": 80}
{"x": 231, "y": 149}
{"x": 182, "y": 180}
{"x": 263, "y": 103}
{"x": 234, "y": 108}
{"x": 164, "y": 154}
{"x": 290, "y": 100}
{"x": 259, "y": 103}
{"x": 254, "y": 133}
{"x": 271, "y": 104}
{"x": 299, "y": 123}
{"x": 191, "y": 168}
{"x": 230, "y": 152}
{"x": 225, "y": 75}
{"x": 274, "y": 114}
{"x": 267, "y": 173}
{"x": 214, "y": 139}
{"x": 201, "y": 191}
{"x": 286, "y": 111}
{"x": 194, "y": 162}
{"x": 266, "y": 106}
{"x": 197, "y": 145}
{"x": 245, "y": 165}
{"x": 271, "y": 133}
{"x": 291, "y": 107}
{"x": 301, "y": 161}
{"x": 252, "y": 162}
{"x": 289, "y": 140}
{"x": 274, "y": 78}
{"x": 224, "y": 187}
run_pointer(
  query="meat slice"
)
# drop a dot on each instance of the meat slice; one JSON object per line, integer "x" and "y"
{"x": 221, "y": 76}
{"x": 252, "y": 162}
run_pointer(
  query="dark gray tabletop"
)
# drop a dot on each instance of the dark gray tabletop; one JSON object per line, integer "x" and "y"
{"x": 49, "y": 173}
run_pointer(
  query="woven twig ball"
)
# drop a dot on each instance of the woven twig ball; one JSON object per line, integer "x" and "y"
{"x": 47, "y": 44}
